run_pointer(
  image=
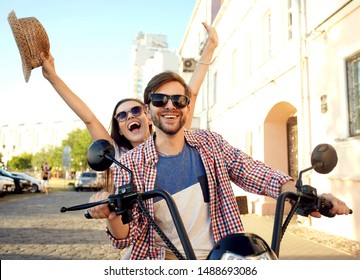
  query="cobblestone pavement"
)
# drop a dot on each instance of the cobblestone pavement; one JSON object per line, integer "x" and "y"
{"x": 32, "y": 227}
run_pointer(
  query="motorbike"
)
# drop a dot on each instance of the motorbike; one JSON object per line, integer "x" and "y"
{"x": 100, "y": 157}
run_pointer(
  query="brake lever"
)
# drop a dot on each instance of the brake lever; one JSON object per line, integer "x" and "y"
{"x": 110, "y": 201}
{"x": 83, "y": 206}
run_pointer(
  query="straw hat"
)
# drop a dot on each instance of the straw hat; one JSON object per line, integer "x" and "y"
{"x": 31, "y": 39}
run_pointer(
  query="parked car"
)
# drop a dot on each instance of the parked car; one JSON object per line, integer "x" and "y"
{"x": 6, "y": 185}
{"x": 92, "y": 180}
{"x": 36, "y": 184}
{"x": 20, "y": 183}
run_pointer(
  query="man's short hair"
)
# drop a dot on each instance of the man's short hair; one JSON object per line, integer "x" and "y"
{"x": 163, "y": 78}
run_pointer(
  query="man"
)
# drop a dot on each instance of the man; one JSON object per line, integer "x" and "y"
{"x": 197, "y": 168}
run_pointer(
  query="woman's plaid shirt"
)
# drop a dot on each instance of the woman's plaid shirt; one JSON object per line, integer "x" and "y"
{"x": 223, "y": 164}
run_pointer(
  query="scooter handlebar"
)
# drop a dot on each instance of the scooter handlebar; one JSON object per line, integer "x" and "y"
{"x": 326, "y": 206}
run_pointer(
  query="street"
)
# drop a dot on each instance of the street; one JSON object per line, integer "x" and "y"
{"x": 32, "y": 227}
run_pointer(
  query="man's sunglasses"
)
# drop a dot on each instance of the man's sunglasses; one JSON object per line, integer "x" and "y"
{"x": 178, "y": 100}
{"x": 135, "y": 111}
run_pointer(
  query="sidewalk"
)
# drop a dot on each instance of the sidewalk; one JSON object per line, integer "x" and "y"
{"x": 303, "y": 243}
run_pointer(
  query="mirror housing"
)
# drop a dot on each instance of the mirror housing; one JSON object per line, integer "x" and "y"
{"x": 324, "y": 158}
{"x": 99, "y": 155}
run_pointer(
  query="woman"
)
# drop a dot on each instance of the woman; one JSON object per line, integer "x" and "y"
{"x": 130, "y": 125}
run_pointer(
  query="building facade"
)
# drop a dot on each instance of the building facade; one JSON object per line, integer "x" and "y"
{"x": 16, "y": 139}
{"x": 284, "y": 79}
{"x": 149, "y": 56}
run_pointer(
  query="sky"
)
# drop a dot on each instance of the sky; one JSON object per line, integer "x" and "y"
{"x": 91, "y": 43}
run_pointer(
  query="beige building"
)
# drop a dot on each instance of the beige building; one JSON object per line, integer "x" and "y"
{"x": 285, "y": 78}
{"x": 16, "y": 139}
{"x": 150, "y": 55}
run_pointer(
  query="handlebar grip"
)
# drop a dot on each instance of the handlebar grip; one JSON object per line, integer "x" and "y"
{"x": 87, "y": 215}
{"x": 325, "y": 207}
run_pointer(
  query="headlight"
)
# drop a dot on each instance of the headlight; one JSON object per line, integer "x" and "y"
{"x": 228, "y": 256}
{"x": 242, "y": 246}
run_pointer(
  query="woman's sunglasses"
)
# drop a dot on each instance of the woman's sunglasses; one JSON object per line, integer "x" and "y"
{"x": 135, "y": 111}
{"x": 178, "y": 100}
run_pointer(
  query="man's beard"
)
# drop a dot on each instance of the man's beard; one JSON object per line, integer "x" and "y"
{"x": 165, "y": 128}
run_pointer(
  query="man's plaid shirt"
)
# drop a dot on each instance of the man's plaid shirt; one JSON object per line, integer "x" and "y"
{"x": 223, "y": 164}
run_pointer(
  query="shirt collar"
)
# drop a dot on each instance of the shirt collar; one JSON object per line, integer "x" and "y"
{"x": 190, "y": 138}
{"x": 150, "y": 150}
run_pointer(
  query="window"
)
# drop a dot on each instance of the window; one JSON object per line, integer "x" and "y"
{"x": 290, "y": 20}
{"x": 214, "y": 92}
{"x": 267, "y": 36}
{"x": 234, "y": 70}
{"x": 353, "y": 93}
{"x": 248, "y": 56}
{"x": 215, "y": 7}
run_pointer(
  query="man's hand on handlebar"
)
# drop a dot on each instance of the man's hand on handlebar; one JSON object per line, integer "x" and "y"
{"x": 332, "y": 205}
{"x": 338, "y": 207}
{"x": 115, "y": 226}
{"x": 101, "y": 211}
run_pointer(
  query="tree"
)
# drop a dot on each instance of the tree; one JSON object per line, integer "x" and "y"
{"x": 22, "y": 162}
{"x": 1, "y": 160}
{"x": 49, "y": 154}
{"x": 79, "y": 140}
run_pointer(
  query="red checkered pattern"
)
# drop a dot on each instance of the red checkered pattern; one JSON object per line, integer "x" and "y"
{"x": 223, "y": 164}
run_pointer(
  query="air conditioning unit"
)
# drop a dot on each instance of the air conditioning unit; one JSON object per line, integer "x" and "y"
{"x": 189, "y": 64}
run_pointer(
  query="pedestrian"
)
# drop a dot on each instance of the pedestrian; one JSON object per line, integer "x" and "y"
{"x": 45, "y": 173}
{"x": 197, "y": 168}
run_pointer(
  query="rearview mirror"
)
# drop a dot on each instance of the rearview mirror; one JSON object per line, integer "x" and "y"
{"x": 96, "y": 155}
{"x": 324, "y": 158}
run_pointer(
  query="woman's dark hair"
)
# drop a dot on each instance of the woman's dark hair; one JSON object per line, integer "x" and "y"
{"x": 121, "y": 140}
{"x": 163, "y": 78}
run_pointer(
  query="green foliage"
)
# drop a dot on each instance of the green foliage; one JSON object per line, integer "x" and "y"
{"x": 22, "y": 162}
{"x": 79, "y": 140}
{"x": 51, "y": 155}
